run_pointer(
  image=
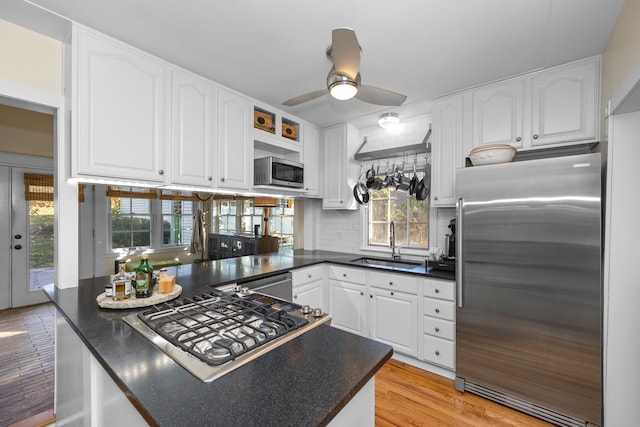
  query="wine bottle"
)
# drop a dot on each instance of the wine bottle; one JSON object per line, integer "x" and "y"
{"x": 144, "y": 278}
{"x": 121, "y": 285}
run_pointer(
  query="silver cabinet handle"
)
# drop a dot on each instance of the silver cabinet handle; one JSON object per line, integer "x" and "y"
{"x": 437, "y": 353}
{"x": 437, "y": 310}
{"x": 361, "y": 293}
{"x": 518, "y": 139}
{"x": 370, "y": 296}
{"x": 344, "y": 274}
{"x": 295, "y": 297}
{"x": 435, "y": 197}
{"x": 535, "y": 136}
{"x": 222, "y": 179}
{"x": 309, "y": 276}
{"x": 437, "y": 329}
{"x": 161, "y": 172}
{"x": 437, "y": 291}
{"x": 210, "y": 178}
{"x": 390, "y": 283}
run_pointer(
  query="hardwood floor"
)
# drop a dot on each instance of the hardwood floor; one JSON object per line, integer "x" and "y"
{"x": 408, "y": 396}
{"x": 26, "y": 365}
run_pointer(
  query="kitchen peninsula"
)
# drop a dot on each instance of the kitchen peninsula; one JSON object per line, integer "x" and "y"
{"x": 307, "y": 381}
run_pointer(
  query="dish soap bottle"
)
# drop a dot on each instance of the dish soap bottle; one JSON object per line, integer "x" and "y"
{"x": 144, "y": 278}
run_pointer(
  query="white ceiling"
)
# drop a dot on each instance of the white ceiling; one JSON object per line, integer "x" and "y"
{"x": 273, "y": 51}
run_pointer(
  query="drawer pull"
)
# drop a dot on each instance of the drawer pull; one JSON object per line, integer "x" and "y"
{"x": 437, "y": 291}
{"x": 391, "y": 293}
{"x": 361, "y": 293}
{"x": 309, "y": 276}
{"x": 344, "y": 274}
{"x": 437, "y": 353}
{"x": 437, "y": 310}
{"x": 295, "y": 297}
{"x": 390, "y": 283}
{"x": 437, "y": 329}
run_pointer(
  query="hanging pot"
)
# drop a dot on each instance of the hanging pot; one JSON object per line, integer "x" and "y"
{"x": 422, "y": 190}
{"x": 414, "y": 180}
{"x": 361, "y": 193}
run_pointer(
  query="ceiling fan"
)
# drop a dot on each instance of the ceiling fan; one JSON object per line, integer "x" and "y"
{"x": 343, "y": 81}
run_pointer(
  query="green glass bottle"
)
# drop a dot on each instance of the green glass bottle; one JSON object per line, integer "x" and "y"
{"x": 144, "y": 278}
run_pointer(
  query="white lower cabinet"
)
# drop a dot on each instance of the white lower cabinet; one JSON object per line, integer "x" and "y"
{"x": 414, "y": 315}
{"x": 393, "y": 319}
{"x": 309, "y": 287}
{"x": 348, "y": 306}
{"x": 438, "y": 323}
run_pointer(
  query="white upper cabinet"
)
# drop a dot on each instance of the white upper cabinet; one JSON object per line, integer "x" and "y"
{"x": 120, "y": 110}
{"x": 340, "y": 169}
{"x": 235, "y": 147}
{"x": 194, "y": 129}
{"x": 498, "y": 114}
{"x": 312, "y": 161}
{"x": 445, "y": 149}
{"x": 549, "y": 108}
{"x": 565, "y": 104}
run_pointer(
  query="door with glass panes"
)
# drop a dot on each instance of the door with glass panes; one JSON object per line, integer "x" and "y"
{"x": 26, "y": 222}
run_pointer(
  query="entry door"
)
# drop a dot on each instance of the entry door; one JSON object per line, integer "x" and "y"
{"x": 27, "y": 261}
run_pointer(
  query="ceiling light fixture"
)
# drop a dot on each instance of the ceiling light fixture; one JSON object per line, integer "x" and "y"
{"x": 341, "y": 87}
{"x": 389, "y": 120}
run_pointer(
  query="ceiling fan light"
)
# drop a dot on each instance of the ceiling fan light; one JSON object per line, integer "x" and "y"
{"x": 389, "y": 120}
{"x": 341, "y": 87}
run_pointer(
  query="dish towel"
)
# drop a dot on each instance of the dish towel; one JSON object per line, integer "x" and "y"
{"x": 196, "y": 236}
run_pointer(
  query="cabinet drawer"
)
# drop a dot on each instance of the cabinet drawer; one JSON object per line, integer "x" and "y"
{"x": 438, "y": 308}
{"x": 438, "y": 351}
{"x": 307, "y": 275}
{"x": 445, "y": 329}
{"x": 346, "y": 274}
{"x": 442, "y": 289}
{"x": 398, "y": 282}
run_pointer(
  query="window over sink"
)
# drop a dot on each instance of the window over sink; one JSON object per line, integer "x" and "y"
{"x": 410, "y": 218}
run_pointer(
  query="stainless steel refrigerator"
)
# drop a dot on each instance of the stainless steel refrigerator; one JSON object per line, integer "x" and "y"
{"x": 529, "y": 294}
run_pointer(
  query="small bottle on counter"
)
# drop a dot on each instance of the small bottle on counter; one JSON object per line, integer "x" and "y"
{"x": 121, "y": 284}
{"x": 144, "y": 278}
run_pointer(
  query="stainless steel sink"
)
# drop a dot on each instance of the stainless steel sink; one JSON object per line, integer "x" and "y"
{"x": 386, "y": 263}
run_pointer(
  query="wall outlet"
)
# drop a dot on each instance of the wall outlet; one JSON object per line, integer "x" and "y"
{"x": 338, "y": 234}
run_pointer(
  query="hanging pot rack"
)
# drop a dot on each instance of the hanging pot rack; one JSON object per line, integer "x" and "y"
{"x": 388, "y": 153}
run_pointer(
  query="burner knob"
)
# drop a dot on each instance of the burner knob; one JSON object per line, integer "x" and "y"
{"x": 317, "y": 312}
{"x": 244, "y": 291}
{"x": 306, "y": 309}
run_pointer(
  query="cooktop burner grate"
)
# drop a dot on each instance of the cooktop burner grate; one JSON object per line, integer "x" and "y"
{"x": 217, "y": 328}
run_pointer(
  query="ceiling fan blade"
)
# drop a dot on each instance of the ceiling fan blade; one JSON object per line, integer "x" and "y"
{"x": 345, "y": 52}
{"x": 375, "y": 95}
{"x": 306, "y": 97}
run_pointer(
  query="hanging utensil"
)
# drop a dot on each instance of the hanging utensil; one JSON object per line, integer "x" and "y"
{"x": 414, "y": 179}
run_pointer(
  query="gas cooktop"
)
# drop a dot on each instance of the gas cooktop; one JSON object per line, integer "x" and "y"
{"x": 212, "y": 334}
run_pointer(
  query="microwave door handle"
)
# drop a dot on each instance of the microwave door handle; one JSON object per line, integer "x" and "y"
{"x": 459, "y": 263}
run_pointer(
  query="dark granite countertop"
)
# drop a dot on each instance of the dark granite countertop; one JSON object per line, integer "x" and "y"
{"x": 306, "y": 381}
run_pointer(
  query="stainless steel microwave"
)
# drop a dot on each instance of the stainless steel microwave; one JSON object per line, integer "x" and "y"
{"x": 281, "y": 172}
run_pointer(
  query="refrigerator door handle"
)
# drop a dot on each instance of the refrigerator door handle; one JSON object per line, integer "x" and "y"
{"x": 459, "y": 228}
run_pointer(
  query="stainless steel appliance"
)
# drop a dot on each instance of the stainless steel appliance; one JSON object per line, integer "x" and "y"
{"x": 529, "y": 295}
{"x": 280, "y": 172}
{"x": 212, "y": 334}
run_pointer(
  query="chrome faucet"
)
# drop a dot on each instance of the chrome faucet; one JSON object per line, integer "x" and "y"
{"x": 392, "y": 241}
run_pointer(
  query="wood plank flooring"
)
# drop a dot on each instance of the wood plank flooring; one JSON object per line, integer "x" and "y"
{"x": 26, "y": 364}
{"x": 408, "y": 396}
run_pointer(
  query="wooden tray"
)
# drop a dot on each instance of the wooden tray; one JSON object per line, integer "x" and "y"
{"x": 133, "y": 302}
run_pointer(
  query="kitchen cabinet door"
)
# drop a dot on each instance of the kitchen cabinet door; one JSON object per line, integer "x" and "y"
{"x": 312, "y": 161}
{"x": 446, "y": 150}
{"x": 193, "y": 134}
{"x": 565, "y": 101}
{"x": 498, "y": 114}
{"x": 235, "y": 148}
{"x": 340, "y": 171}
{"x": 347, "y": 306}
{"x": 120, "y": 110}
{"x": 393, "y": 319}
{"x": 311, "y": 294}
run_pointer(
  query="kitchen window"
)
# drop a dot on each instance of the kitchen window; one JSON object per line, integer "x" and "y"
{"x": 410, "y": 217}
{"x": 148, "y": 218}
